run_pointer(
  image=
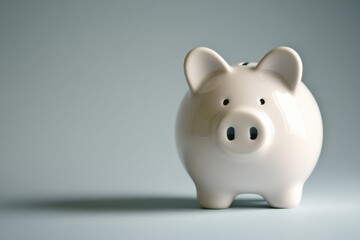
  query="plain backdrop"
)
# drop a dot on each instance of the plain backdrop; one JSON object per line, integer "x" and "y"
{"x": 89, "y": 92}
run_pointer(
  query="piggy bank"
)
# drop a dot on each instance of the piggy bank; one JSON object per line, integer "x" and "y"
{"x": 248, "y": 128}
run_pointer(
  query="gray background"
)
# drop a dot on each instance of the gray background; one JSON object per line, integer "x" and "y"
{"x": 89, "y": 92}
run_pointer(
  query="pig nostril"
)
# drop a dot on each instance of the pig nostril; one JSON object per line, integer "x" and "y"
{"x": 230, "y": 133}
{"x": 253, "y": 133}
{"x": 226, "y": 102}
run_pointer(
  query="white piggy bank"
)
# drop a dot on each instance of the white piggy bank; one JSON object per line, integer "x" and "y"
{"x": 248, "y": 128}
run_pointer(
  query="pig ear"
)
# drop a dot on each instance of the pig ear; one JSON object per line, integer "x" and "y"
{"x": 199, "y": 64}
{"x": 285, "y": 62}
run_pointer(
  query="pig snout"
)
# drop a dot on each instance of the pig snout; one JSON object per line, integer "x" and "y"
{"x": 243, "y": 131}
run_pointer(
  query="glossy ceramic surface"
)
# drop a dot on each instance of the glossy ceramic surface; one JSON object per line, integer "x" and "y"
{"x": 248, "y": 128}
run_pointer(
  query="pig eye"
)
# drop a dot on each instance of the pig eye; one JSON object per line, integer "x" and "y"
{"x": 226, "y": 102}
{"x": 262, "y": 101}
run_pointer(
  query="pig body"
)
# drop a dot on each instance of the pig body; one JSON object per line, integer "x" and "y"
{"x": 248, "y": 128}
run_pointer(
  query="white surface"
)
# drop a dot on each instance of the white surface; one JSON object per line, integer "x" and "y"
{"x": 164, "y": 217}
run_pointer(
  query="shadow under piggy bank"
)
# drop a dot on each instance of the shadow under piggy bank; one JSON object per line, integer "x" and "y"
{"x": 123, "y": 204}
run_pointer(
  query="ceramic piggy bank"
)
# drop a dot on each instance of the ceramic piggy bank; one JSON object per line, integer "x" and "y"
{"x": 248, "y": 128}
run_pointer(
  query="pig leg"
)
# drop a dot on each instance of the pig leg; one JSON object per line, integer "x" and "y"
{"x": 214, "y": 199}
{"x": 288, "y": 197}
